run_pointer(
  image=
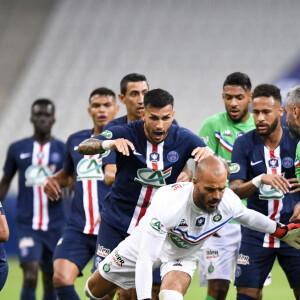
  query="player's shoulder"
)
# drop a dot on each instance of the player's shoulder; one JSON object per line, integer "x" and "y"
{"x": 216, "y": 119}
{"x": 80, "y": 134}
{"x": 58, "y": 142}
{"x": 19, "y": 144}
{"x": 118, "y": 121}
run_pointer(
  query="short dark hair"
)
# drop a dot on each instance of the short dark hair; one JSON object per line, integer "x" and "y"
{"x": 43, "y": 101}
{"x": 102, "y": 91}
{"x": 158, "y": 98}
{"x": 267, "y": 90}
{"x": 133, "y": 77}
{"x": 239, "y": 79}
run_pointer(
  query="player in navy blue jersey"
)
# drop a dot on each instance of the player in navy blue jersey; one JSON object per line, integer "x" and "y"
{"x": 77, "y": 245}
{"x": 4, "y": 234}
{"x": 133, "y": 88}
{"x": 39, "y": 221}
{"x": 149, "y": 154}
{"x": 265, "y": 174}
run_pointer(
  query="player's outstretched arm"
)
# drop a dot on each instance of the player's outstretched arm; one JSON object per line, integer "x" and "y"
{"x": 290, "y": 234}
{"x": 94, "y": 146}
{"x": 53, "y": 184}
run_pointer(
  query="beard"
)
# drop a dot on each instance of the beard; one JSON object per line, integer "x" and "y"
{"x": 238, "y": 120}
{"x": 270, "y": 129}
{"x": 293, "y": 128}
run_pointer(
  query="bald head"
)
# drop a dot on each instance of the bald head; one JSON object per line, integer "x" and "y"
{"x": 213, "y": 165}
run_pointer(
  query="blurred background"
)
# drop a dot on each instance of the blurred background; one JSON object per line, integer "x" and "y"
{"x": 63, "y": 49}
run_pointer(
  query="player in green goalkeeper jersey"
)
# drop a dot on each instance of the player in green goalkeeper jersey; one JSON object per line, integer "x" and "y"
{"x": 220, "y": 132}
{"x": 293, "y": 120}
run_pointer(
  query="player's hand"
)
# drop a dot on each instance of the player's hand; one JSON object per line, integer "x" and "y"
{"x": 277, "y": 181}
{"x": 97, "y": 221}
{"x": 122, "y": 146}
{"x": 185, "y": 176}
{"x": 290, "y": 234}
{"x": 52, "y": 189}
{"x": 296, "y": 215}
{"x": 295, "y": 185}
{"x": 201, "y": 152}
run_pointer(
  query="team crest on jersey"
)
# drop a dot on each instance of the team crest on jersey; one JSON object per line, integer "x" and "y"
{"x": 233, "y": 167}
{"x": 55, "y": 157}
{"x": 238, "y": 271}
{"x": 217, "y": 217}
{"x": 287, "y": 162}
{"x": 273, "y": 163}
{"x": 154, "y": 178}
{"x": 200, "y": 221}
{"x": 36, "y": 175}
{"x": 156, "y": 224}
{"x": 106, "y": 268}
{"x": 227, "y": 132}
{"x": 154, "y": 157}
{"x": 267, "y": 192}
{"x": 90, "y": 168}
{"x": 172, "y": 156}
{"x": 107, "y": 134}
{"x": 240, "y": 133}
{"x": 210, "y": 268}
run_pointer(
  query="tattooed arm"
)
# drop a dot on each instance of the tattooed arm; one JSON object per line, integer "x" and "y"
{"x": 94, "y": 146}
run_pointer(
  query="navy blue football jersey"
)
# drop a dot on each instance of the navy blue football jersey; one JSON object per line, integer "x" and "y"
{"x": 34, "y": 162}
{"x": 251, "y": 158}
{"x": 147, "y": 168}
{"x": 89, "y": 187}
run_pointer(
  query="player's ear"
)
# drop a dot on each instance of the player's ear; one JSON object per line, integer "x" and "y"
{"x": 296, "y": 112}
{"x": 281, "y": 110}
{"x": 195, "y": 180}
{"x": 122, "y": 98}
{"x": 173, "y": 113}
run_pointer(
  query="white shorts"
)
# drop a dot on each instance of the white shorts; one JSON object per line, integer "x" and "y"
{"x": 119, "y": 268}
{"x": 219, "y": 254}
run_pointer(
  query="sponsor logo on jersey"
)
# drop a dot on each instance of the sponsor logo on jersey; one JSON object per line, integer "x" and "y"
{"x": 273, "y": 163}
{"x": 55, "y": 157}
{"x": 253, "y": 163}
{"x": 101, "y": 251}
{"x": 287, "y": 162}
{"x": 212, "y": 254}
{"x": 200, "y": 221}
{"x": 177, "y": 186}
{"x": 106, "y": 268}
{"x": 107, "y": 134}
{"x": 267, "y": 192}
{"x": 227, "y": 132}
{"x": 59, "y": 241}
{"x": 172, "y": 156}
{"x": 90, "y": 168}
{"x": 154, "y": 157}
{"x": 25, "y": 155}
{"x": 36, "y": 175}
{"x": 233, "y": 167}
{"x": 243, "y": 259}
{"x": 136, "y": 153}
{"x": 183, "y": 223}
{"x": 210, "y": 268}
{"x": 154, "y": 178}
{"x": 156, "y": 224}
{"x": 180, "y": 243}
{"x": 205, "y": 139}
{"x": 217, "y": 217}
{"x": 240, "y": 133}
{"x": 118, "y": 259}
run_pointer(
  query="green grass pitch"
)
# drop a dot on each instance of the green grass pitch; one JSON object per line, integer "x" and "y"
{"x": 279, "y": 289}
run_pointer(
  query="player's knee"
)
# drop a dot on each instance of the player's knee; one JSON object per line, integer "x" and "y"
{"x": 88, "y": 293}
{"x": 30, "y": 275}
{"x": 61, "y": 279}
{"x": 170, "y": 295}
{"x": 240, "y": 296}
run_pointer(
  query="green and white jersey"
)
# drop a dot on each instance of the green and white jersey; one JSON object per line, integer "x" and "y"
{"x": 219, "y": 133}
{"x": 297, "y": 162}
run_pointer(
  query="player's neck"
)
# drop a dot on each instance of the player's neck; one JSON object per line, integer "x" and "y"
{"x": 42, "y": 138}
{"x": 97, "y": 130}
{"x": 273, "y": 139}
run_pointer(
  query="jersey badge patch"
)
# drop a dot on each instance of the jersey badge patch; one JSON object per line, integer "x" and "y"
{"x": 106, "y": 268}
{"x": 238, "y": 271}
{"x": 205, "y": 139}
{"x": 172, "y": 156}
{"x": 287, "y": 162}
{"x": 233, "y": 167}
{"x": 273, "y": 163}
{"x": 156, "y": 224}
{"x": 154, "y": 178}
{"x": 227, "y": 133}
{"x": 183, "y": 223}
{"x": 200, "y": 221}
{"x": 55, "y": 157}
{"x": 154, "y": 157}
{"x": 217, "y": 217}
{"x": 90, "y": 168}
{"x": 210, "y": 268}
{"x": 107, "y": 134}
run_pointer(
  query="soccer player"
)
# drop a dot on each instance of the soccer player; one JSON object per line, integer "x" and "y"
{"x": 220, "y": 132}
{"x": 170, "y": 235}
{"x": 78, "y": 243}
{"x": 265, "y": 175}
{"x": 4, "y": 234}
{"x": 39, "y": 221}
{"x": 293, "y": 120}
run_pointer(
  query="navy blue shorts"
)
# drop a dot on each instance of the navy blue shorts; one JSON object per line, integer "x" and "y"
{"x": 3, "y": 273}
{"x": 108, "y": 239}
{"x": 255, "y": 263}
{"x": 37, "y": 245}
{"x": 76, "y": 247}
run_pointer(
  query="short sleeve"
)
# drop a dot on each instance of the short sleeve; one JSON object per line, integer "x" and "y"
{"x": 10, "y": 165}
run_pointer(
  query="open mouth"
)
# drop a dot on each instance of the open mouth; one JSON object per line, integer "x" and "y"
{"x": 158, "y": 135}
{"x": 102, "y": 119}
